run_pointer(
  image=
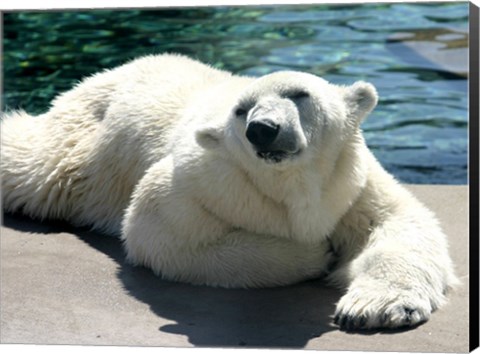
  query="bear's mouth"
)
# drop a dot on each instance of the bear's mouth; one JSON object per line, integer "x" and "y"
{"x": 275, "y": 156}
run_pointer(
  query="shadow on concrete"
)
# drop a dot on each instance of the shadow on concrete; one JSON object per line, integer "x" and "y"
{"x": 277, "y": 317}
{"x": 286, "y": 317}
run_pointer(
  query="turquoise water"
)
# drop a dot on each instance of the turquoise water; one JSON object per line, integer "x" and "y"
{"x": 415, "y": 54}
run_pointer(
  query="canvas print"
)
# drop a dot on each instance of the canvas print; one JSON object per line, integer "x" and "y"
{"x": 251, "y": 176}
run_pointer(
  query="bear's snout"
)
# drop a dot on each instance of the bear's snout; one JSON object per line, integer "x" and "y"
{"x": 262, "y": 133}
{"x": 272, "y": 129}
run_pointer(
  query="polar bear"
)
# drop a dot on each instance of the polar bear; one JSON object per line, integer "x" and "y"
{"x": 217, "y": 179}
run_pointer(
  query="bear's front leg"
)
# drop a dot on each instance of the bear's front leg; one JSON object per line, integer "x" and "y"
{"x": 170, "y": 231}
{"x": 400, "y": 276}
{"x": 236, "y": 259}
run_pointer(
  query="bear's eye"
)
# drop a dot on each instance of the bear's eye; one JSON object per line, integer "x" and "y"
{"x": 296, "y": 95}
{"x": 240, "y": 112}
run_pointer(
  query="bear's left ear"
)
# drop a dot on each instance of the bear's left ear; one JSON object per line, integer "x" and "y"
{"x": 361, "y": 99}
{"x": 209, "y": 137}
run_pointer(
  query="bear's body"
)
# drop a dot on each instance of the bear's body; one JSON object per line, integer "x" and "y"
{"x": 217, "y": 179}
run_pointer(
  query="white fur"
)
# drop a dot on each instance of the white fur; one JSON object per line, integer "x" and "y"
{"x": 155, "y": 151}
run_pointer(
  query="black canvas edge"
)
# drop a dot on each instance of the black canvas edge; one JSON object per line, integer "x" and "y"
{"x": 473, "y": 79}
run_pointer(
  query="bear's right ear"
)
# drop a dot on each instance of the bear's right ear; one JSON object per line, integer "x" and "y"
{"x": 209, "y": 137}
{"x": 361, "y": 99}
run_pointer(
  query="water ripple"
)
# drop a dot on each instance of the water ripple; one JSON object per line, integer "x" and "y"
{"x": 415, "y": 54}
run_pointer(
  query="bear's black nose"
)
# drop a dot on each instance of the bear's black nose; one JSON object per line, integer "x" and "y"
{"x": 262, "y": 133}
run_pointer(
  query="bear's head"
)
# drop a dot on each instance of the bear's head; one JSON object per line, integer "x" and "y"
{"x": 288, "y": 118}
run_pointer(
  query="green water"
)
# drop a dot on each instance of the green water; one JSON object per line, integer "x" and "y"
{"x": 418, "y": 131}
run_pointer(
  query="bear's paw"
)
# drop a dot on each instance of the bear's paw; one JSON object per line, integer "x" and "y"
{"x": 366, "y": 308}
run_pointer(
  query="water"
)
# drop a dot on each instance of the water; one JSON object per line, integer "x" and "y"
{"x": 415, "y": 54}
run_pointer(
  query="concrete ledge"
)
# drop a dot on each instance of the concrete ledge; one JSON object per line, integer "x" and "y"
{"x": 62, "y": 285}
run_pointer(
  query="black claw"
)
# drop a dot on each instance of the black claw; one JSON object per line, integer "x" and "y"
{"x": 352, "y": 324}
{"x": 384, "y": 319}
{"x": 408, "y": 310}
{"x": 347, "y": 322}
{"x": 408, "y": 314}
{"x": 363, "y": 321}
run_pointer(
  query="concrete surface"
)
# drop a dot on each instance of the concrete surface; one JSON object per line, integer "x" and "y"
{"x": 61, "y": 285}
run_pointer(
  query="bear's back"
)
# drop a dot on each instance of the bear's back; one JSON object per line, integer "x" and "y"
{"x": 90, "y": 149}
